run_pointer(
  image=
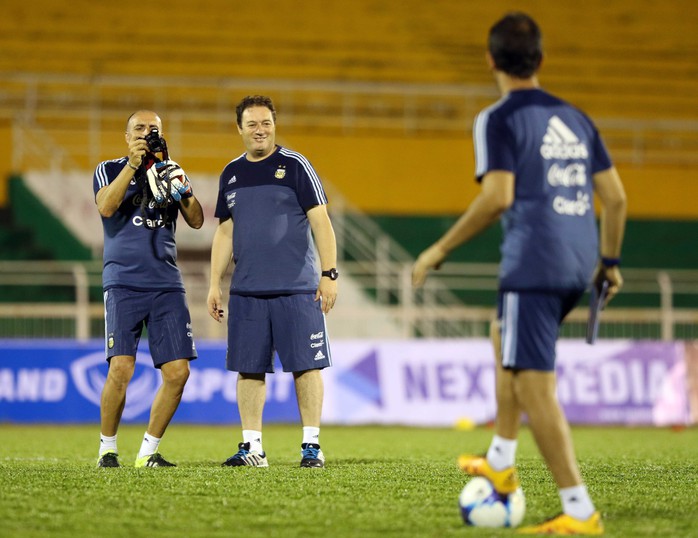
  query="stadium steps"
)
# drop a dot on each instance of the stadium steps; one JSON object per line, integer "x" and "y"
{"x": 48, "y": 237}
{"x": 18, "y": 242}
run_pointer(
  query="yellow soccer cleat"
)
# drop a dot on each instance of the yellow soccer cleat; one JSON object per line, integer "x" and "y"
{"x": 504, "y": 482}
{"x": 108, "y": 459}
{"x": 153, "y": 460}
{"x": 567, "y": 525}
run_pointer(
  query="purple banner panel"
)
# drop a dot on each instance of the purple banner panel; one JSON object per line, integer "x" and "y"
{"x": 622, "y": 382}
{"x": 451, "y": 381}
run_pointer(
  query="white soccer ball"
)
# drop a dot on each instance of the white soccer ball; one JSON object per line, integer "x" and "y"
{"x": 482, "y": 506}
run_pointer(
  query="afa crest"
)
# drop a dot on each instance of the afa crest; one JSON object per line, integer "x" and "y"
{"x": 280, "y": 173}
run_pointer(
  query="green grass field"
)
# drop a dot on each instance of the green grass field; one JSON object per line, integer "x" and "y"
{"x": 379, "y": 481}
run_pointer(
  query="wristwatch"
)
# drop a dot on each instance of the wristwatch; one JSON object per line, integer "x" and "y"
{"x": 332, "y": 274}
{"x": 610, "y": 262}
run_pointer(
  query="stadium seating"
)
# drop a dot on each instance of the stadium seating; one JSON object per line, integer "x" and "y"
{"x": 624, "y": 60}
{"x": 615, "y": 59}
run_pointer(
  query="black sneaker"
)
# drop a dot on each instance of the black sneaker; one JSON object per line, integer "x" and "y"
{"x": 312, "y": 456}
{"x": 108, "y": 459}
{"x": 245, "y": 457}
{"x": 154, "y": 460}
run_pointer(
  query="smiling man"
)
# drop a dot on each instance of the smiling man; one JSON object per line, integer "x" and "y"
{"x": 269, "y": 201}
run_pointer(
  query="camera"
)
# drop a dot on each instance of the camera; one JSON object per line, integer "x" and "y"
{"x": 156, "y": 143}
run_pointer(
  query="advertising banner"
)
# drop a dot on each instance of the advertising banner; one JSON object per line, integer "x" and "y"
{"x": 409, "y": 382}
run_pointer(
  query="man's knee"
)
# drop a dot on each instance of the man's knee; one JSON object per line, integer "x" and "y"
{"x": 121, "y": 370}
{"x": 535, "y": 390}
{"x": 175, "y": 373}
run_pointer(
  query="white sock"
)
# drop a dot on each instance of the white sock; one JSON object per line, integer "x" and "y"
{"x": 107, "y": 444}
{"x": 311, "y": 435}
{"x": 254, "y": 438}
{"x": 149, "y": 445}
{"x": 576, "y": 502}
{"x": 502, "y": 453}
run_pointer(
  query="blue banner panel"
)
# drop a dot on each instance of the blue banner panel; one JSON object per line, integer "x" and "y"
{"x": 54, "y": 381}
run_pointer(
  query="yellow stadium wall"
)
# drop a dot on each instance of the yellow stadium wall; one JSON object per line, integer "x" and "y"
{"x": 393, "y": 175}
{"x": 435, "y": 176}
{"x": 5, "y": 160}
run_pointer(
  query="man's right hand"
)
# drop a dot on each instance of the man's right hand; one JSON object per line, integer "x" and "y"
{"x": 137, "y": 149}
{"x": 431, "y": 258}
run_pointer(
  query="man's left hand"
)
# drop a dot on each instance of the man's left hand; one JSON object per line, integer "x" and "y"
{"x": 181, "y": 187}
{"x": 327, "y": 293}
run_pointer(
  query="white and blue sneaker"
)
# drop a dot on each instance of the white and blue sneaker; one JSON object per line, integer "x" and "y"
{"x": 312, "y": 456}
{"x": 245, "y": 457}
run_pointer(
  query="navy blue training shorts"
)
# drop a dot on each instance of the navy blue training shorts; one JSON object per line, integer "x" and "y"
{"x": 164, "y": 313}
{"x": 530, "y": 325}
{"x": 293, "y": 325}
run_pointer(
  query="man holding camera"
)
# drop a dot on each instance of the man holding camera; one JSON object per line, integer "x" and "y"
{"x": 139, "y": 198}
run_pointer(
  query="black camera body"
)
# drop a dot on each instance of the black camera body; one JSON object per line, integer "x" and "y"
{"x": 156, "y": 144}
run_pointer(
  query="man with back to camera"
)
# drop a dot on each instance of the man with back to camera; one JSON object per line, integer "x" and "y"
{"x": 142, "y": 283}
{"x": 269, "y": 200}
{"x": 539, "y": 161}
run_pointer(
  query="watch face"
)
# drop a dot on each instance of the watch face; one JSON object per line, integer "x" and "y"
{"x": 332, "y": 274}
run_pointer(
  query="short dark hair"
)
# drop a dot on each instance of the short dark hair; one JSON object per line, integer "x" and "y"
{"x": 515, "y": 43}
{"x": 254, "y": 100}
